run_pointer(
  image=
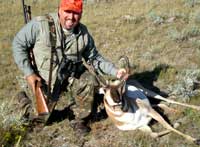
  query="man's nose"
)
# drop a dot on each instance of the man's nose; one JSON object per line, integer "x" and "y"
{"x": 71, "y": 15}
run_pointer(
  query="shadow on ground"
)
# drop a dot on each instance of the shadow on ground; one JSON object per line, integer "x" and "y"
{"x": 146, "y": 79}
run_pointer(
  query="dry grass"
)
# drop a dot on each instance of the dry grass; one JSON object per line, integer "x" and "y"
{"x": 149, "y": 32}
{"x": 144, "y": 30}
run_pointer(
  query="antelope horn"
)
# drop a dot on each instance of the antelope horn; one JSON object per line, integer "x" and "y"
{"x": 126, "y": 63}
{"x": 91, "y": 69}
{"x": 126, "y": 66}
{"x": 100, "y": 79}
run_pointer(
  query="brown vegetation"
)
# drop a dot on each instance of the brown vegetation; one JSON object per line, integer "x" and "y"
{"x": 162, "y": 41}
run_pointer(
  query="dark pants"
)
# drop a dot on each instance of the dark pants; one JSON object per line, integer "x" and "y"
{"x": 81, "y": 91}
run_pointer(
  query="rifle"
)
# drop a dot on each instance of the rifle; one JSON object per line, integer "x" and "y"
{"x": 41, "y": 98}
{"x": 26, "y": 12}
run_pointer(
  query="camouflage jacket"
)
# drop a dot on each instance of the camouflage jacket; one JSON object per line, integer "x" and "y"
{"x": 79, "y": 43}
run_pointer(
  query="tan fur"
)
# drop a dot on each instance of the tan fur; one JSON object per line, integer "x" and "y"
{"x": 144, "y": 108}
{"x": 112, "y": 115}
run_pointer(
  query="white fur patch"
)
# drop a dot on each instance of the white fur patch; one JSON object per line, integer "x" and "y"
{"x": 133, "y": 92}
{"x": 136, "y": 117}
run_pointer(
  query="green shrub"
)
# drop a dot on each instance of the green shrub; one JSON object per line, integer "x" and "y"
{"x": 185, "y": 34}
{"x": 191, "y": 3}
{"x": 155, "y": 18}
{"x": 11, "y": 128}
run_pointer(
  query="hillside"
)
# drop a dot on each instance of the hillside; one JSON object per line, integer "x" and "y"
{"x": 161, "y": 39}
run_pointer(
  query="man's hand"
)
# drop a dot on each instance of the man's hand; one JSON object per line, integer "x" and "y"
{"x": 122, "y": 74}
{"x": 32, "y": 79}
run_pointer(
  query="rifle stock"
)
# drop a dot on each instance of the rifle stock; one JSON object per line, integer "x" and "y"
{"x": 41, "y": 100}
{"x": 44, "y": 104}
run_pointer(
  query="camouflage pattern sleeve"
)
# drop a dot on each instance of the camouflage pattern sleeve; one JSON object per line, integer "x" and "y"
{"x": 21, "y": 45}
{"x": 101, "y": 64}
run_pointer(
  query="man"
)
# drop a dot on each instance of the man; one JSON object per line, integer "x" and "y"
{"x": 72, "y": 42}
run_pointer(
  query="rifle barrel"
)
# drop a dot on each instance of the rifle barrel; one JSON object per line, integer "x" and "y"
{"x": 26, "y": 12}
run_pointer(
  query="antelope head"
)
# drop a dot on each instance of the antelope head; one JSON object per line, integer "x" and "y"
{"x": 112, "y": 92}
{"x": 109, "y": 88}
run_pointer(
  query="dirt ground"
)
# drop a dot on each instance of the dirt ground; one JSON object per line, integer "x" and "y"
{"x": 161, "y": 39}
{"x": 104, "y": 134}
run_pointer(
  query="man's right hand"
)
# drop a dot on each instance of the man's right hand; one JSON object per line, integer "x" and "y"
{"x": 32, "y": 79}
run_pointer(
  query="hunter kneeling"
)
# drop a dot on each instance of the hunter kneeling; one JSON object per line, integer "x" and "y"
{"x": 49, "y": 51}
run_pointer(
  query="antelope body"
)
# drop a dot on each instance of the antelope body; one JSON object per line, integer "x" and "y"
{"x": 139, "y": 112}
{"x": 134, "y": 117}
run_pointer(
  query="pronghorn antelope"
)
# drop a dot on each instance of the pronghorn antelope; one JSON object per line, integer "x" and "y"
{"x": 139, "y": 111}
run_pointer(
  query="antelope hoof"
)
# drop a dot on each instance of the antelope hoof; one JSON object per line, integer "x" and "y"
{"x": 197, "y": 142}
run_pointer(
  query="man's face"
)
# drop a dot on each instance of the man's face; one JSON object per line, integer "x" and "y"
{"x": 69, "y": 19}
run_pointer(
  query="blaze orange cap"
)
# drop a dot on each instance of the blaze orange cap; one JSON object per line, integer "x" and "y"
{"x": 72, "y": 5}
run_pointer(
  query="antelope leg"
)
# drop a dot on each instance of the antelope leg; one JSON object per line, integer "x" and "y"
{"x": 155, "y": 115}
{"x": 162, "y": 133}
{"x": 148, "y": 130}
{"x": 178, "y": 103}
{"x": 152, "y": 94}
{"x": 159, "y": 134}
{"x": 166, "y": 108}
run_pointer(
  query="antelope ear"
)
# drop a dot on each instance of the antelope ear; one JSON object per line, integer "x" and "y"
{"x": 102, "y": 90}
